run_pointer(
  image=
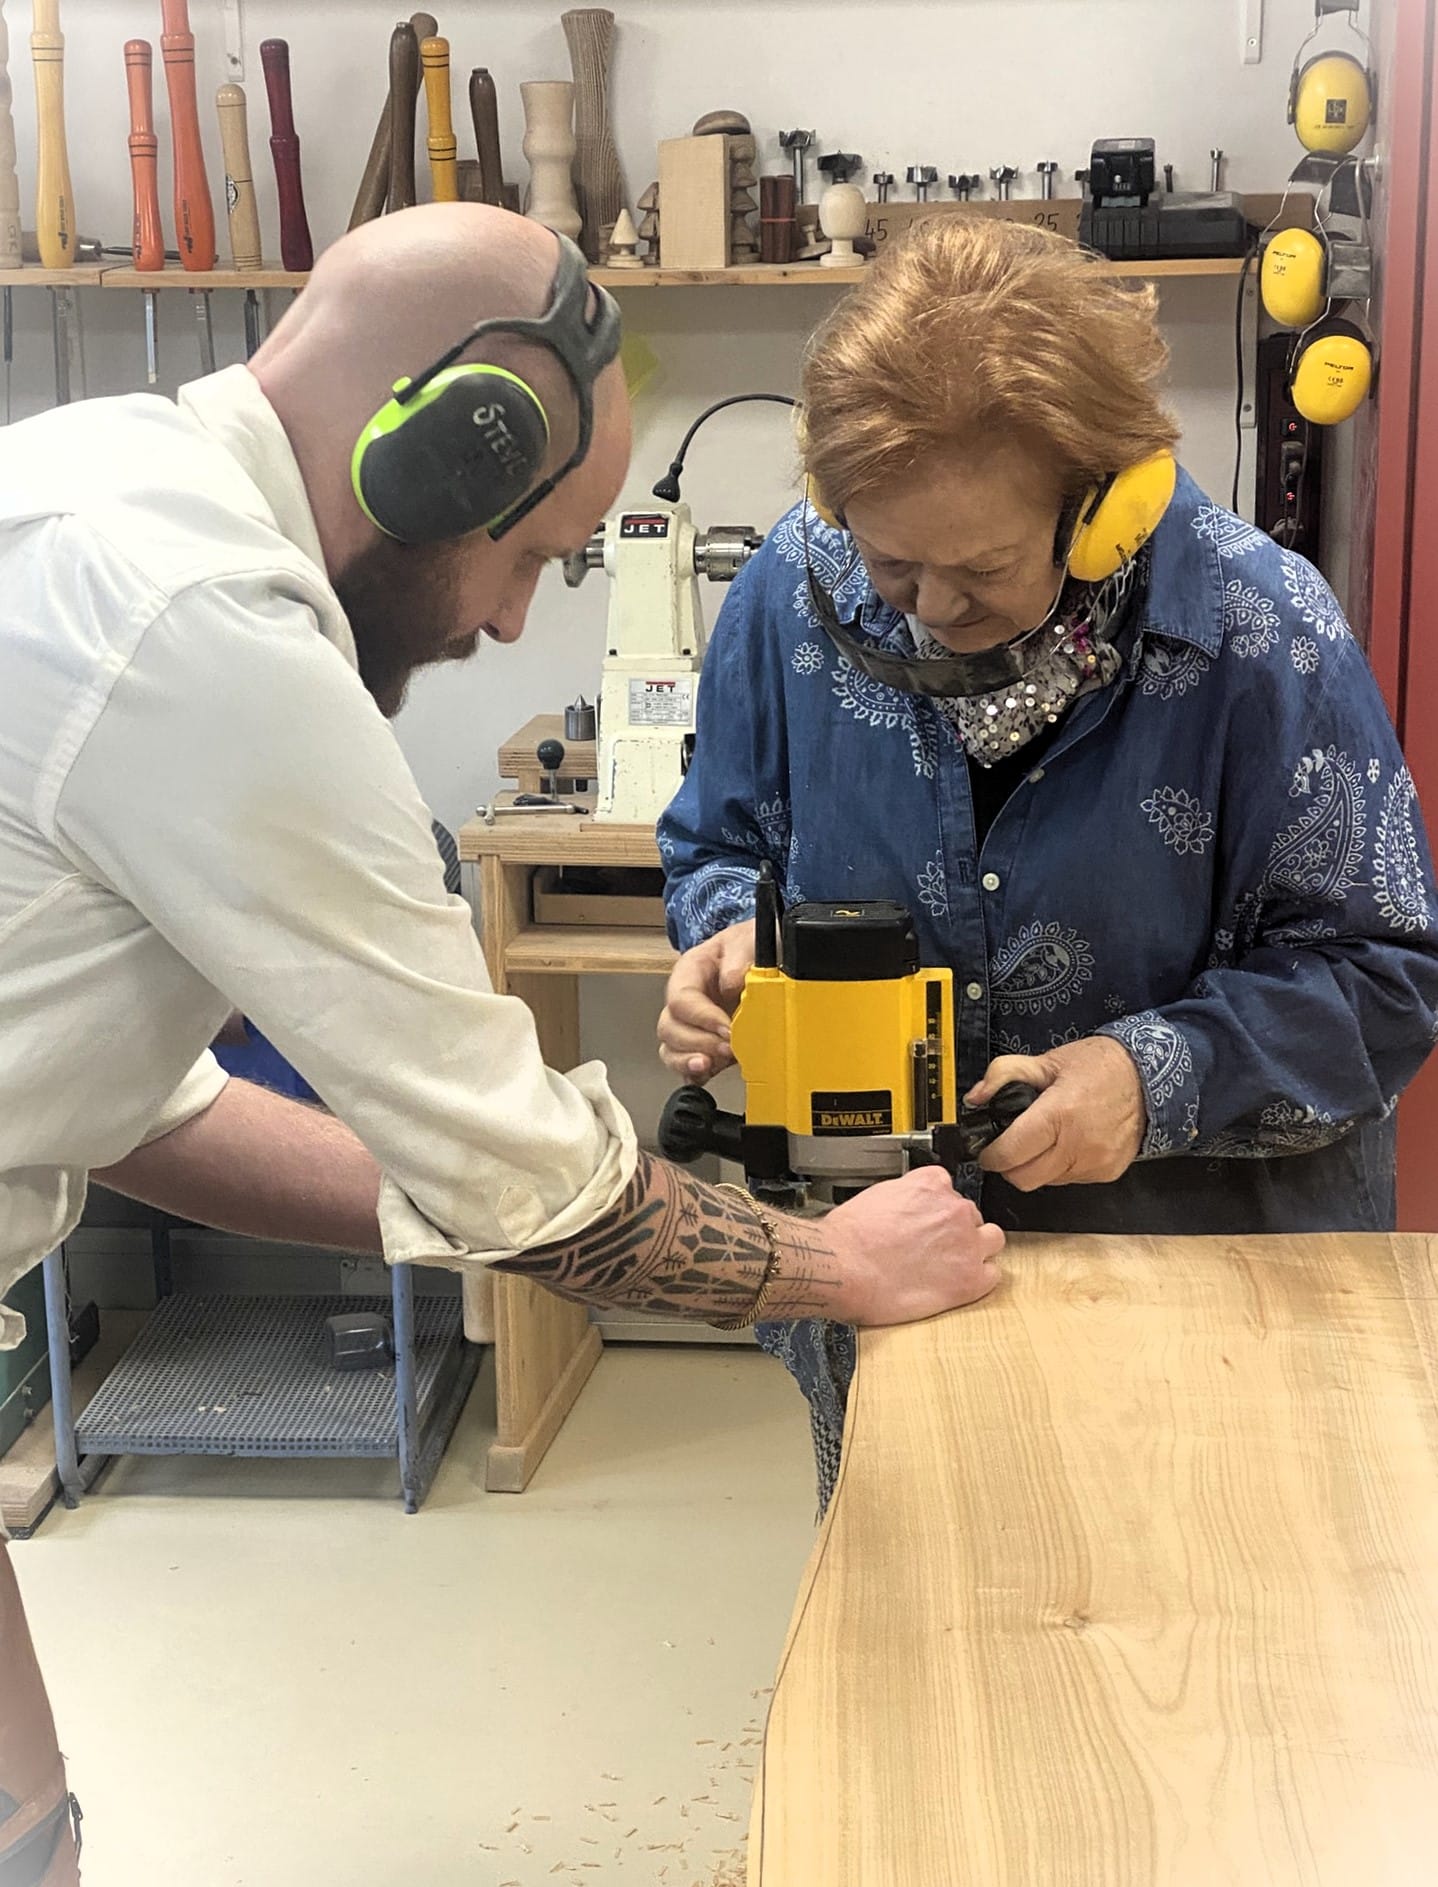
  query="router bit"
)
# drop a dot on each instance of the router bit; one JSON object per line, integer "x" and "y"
{"x": 883, "y": 184}
{"x": 1002, "y": 177}
{"x": 7, "y": 344}
{"x": 966, "y": 185}
{"x": 796, "y": 143}
{"x": 1048, "y": 170}
{"x": 1215, "y": 182}
{"x": 840, "y": 166}
{"x": 1168, "y": 179}
{"x": 923, "y": 177}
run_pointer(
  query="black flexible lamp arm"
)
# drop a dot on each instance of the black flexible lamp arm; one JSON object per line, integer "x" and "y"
{"x": 668, "y": 486}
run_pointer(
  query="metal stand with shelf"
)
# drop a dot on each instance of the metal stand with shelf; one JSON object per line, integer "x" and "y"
{"x": 249, "y": 1377}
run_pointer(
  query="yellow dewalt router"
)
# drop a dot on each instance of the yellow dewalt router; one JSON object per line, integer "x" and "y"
{"x": 846, "y": 1046}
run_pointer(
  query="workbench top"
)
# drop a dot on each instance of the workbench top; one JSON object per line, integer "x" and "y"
{"x": 1131, "y": 1580}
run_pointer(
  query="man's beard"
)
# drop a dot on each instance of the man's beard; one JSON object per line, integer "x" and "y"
{"x": 399, "y": 599}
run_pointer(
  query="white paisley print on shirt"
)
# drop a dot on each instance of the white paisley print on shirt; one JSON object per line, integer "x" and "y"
{"x": 1170, "y": 669}
{"x": 1311, "y": 600}
{"x": 1182, "y": 823}
{"x": 1039, "y": 970}
{"x": 1229, "y": 535}
{"x": 1398, "y": 883}
{"x": 934, "y": 888}
{"x": 1321, "y": 853}
{"x": 1160, "y": 1051}
{"x": 1250, "y": 620}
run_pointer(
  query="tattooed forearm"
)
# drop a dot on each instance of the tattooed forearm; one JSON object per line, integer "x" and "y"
{"x": 674, "y": 1244}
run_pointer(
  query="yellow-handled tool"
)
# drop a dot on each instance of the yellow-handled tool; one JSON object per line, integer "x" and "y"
{"x": 54, "y": 195}
{"x": 441, "y": 143}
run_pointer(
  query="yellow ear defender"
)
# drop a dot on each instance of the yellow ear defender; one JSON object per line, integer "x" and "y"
{"x": 1331, "y": 106}
{"x": 1331, "y": 96}
{"x": 1292, "y": 279}
{"x": 1331, "y": 372}
{"x": 1118, "y": 518}
{"x": 1104, "y": 530}
{"x": 1304, "y": 277}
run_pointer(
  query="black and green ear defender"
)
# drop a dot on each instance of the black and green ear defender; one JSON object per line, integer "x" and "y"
{"x": 461, "y": 448}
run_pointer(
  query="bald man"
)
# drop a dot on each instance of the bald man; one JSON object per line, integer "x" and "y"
{"x": 211, "y": 610}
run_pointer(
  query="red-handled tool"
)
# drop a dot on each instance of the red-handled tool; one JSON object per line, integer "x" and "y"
{"x": 296, "y": 249}
{"x": 148, "y": 241}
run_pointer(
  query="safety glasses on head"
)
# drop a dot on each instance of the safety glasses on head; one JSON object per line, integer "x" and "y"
{"x": 461, "y": 447}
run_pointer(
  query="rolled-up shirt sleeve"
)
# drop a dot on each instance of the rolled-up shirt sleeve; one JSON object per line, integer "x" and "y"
{"x": 271, "y": 831}
{"x": 200, "y": 1089}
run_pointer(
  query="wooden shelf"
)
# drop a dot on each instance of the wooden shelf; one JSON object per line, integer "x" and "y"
{"x": 558, "y": 841}
{"x": 84, "y": 275}
{"x": 812, "y": 275}
{"x": 774, "y": 275}
{"x": 203, "y": 278}
{"x": 573, "y": 950}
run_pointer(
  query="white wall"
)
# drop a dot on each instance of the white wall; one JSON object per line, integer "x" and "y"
{"x": 963, "y": 84}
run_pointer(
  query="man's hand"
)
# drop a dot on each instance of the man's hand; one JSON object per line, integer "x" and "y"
{"x": 911, "y": 1248}
{"x": 1086, "y": 1127}
{"x": 704, "y": 990}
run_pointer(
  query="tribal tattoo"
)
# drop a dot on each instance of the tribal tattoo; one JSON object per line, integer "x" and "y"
{"x": 675, "y": 1245}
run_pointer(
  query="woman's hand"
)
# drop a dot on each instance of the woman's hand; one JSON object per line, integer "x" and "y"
{"x": 704, "y": 990}
{"x": 1086, "y": 1127}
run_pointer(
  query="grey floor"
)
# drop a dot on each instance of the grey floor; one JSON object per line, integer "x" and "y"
{"x": 264, "y": 1673}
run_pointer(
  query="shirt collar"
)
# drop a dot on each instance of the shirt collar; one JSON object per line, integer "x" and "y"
{"x": 231, "y": 408}
{"x": 1184, "y": 600}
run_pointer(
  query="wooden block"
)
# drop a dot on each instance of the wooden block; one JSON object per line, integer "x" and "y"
{"x": 694, "y": 203}
{"x": 617, "y": 907}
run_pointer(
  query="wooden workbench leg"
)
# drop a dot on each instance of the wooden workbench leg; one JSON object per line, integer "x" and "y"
{"x": 544, "y": 1347}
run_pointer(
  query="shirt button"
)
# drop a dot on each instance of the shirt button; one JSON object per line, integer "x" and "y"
{"x": 1036, "y": 776}
{"x": 991, "y": 881}
{"x": 975, "y": 992}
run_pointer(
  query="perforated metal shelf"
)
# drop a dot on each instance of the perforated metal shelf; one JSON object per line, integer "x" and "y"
{"x": 251, "y": 1376}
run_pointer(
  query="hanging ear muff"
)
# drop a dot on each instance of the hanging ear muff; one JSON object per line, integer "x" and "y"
{"x": 1330, "y": 102}
{"x": 452, "y": 458}
{"x": 1292, "y": 278}
{"x": 1117, "y": 519}
{"x": 1331, "y": 372}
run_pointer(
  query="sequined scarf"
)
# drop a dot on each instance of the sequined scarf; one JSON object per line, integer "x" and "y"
{"x": 1081, "y": 656}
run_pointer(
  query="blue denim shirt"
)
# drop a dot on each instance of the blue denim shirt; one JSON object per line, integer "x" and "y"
{"x": 1219, "y": 860}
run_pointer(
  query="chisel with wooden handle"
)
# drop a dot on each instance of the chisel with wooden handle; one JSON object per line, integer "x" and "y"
{"x": 296, "y": 249}
{"x": 374, "y": 184}
{"x": 9, "y": 182}
{"x": 403, "y": 97}
{"x": 233, "y": 112}
{"x": 9, "y": 208}
{"x": 484, "y": 109}
{"x": 147, "y": 243}
{"x": 246, "y": 246}
{"x": 440, "y": 143}
{"x": 194, "y": 212}
{"x": 54, "y": 197}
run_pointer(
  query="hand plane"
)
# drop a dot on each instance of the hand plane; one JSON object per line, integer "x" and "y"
{"x": 846, "y": 1046}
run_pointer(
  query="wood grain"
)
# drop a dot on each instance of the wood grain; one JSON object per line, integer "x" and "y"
{"x": 403, "y": 103}
{"x": 694, "y": 203}
{"x": 559, "y": 842}
{"x": 374, "y": 184}
{"x": 1131, "y": 1580}
{"x": 598, "y": 180}
{"x": 9, "y": 181}
{"x": 484, "y": 111}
